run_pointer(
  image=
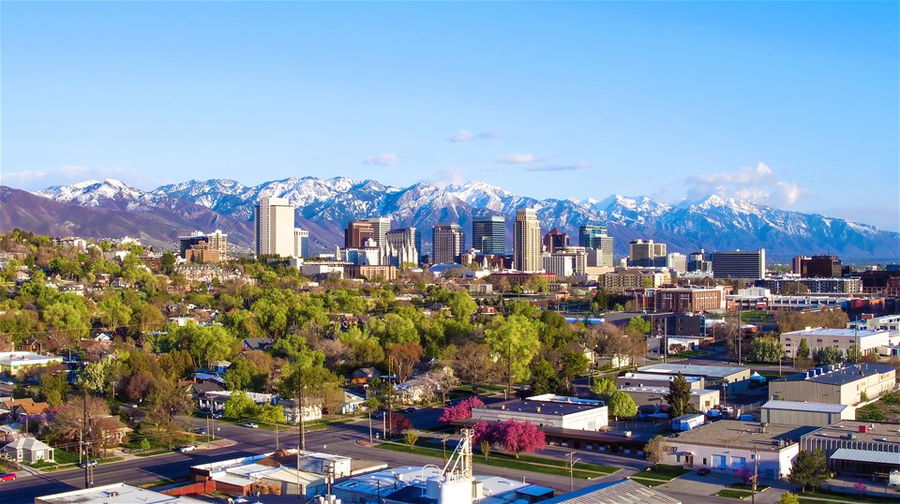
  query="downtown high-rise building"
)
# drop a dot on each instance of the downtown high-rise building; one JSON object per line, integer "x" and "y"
{"x": 380, "y": 228}
{"x": 555, "y": 240}
{"x": 748, "y": 264}
{"x": 489, "y": 234}
{"x": 447, "y": 243}
{"x": 402, "y": 245}
{"x": 301, "y": 242}
{"x": 595, "y": 238}
{"x": 527, "y": 241}
{"x": 217, "y": 240}
{"x": 646, "y": 253}
{"x": 357, "y": 232}
{"x": 273, "y": 219}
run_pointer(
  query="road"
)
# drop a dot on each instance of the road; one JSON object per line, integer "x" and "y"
{"x": 340, "y": 439}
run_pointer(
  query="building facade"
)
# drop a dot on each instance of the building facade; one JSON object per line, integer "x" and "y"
{"x": 527, "y": 241}
{"x": 836, "y": 384}
{"x": 447, "y": 242}
{"x": 813, "y": 285}
{"x": 866, "y": 341}
{"x": 357, "y": 232}
{"x": 404, "y": 244}
{"x": 489, "y": 234}
{"x": 217, "y": 240}
{"x": 380, "y": 228}
{"x": 688, "y": 299}
{"x": 555, "y": 240}
{"x": 749, "y": 264}
{"x": 595, "y": 238}
{"x": 645, "y": 252}
{"x": 274, "y": 225}
{"x": 301, "y": 242}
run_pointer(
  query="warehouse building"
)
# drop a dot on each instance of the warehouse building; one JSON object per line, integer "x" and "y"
{"x": 701, "y": 399}
{"x": 805, "y": 413}
{"x": 836, "y": 384}
{"x": 844, "y": 339}
{"x": 857, "y": 447}
{"x": 655, "y": 380}
{"x": 116, "y": 493}
{"x": 728, "y": 446}
{"x": 548, "y": 410}
{"x": 734, "y": 379}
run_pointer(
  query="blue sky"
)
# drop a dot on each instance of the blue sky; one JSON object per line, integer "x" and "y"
{"x": 792, "y": 104}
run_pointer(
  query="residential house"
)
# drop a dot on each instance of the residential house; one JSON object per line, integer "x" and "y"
{"x": 352, "y": 403}
{"x": 28, "y": 450}
{"x": 260, "y": 343}
{"x": 110, "y": 430}
{"x": 363, "y": 375}
{"x": 312, "y": 410}
{"x": 21, "y": 409}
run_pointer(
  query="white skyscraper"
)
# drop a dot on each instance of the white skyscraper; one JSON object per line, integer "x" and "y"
{"x": 274, "y": 221}
{"x": 527, "y": 241}
{"x": 301, "y": 242}
{"x": 381, "y": 225}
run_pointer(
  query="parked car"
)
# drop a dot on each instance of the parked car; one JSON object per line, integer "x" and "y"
{"x": 251, "y": 425}
{"x": 187, "y": 449}
{"x": 410, "y": 410}
{"x": 703, "y": 472}
{"x": 8, "y": 477}
{"x": 91, "y": 463}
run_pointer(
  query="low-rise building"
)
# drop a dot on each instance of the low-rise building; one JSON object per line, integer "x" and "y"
{"x": 729, "y": 446}
{"x": 844, "y": 339}
{"x": 701, "y": 399}
{"x": 689, "y": 299}
{"x": 631, "y": 379}
{"x": 836, "y": 384}
{"x": 813, "y": 285}
{"x": 116, "y": 493}
{"x": 29, "y": 450}
{"x": 13, "y": 362}
{"x": 857, "y": 447}
{"x": 805, "y": 413}
{"x": 733, "y": 379}
{"x": 548, "y": 411}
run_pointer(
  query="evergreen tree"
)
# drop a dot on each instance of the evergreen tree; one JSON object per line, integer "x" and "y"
{"x": 810, "y": 469}
{"x": 803, "y": 349}
{"x": 621, "y": 405}
{"x": 679, "y": 397}
{"x": 543, "y": 377}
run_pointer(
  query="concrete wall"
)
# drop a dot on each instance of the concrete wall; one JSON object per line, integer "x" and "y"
{"x": 772, "y": 464}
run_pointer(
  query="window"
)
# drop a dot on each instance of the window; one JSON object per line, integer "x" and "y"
{"x": 719, "y": 462}
{"x": 738, "y": 462}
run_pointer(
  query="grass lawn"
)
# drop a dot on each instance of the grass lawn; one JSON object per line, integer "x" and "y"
{"x": 152, "y": 453}
{"x": 662, "y": 472}
{"x": 733, "y": 494}
{"x": 649, "y": 482}
{"x": 749, "y": 488}
{"x": 525, "y": 463}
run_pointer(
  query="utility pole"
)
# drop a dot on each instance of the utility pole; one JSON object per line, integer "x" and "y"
{"x": 755, "y": 475}
{"x": 390, "y": 410}
{"x": 572, "y": 462}
{"x": 88, "y": 473}
{"x": 277, "y": 445}
{"x": 300, "y": 434}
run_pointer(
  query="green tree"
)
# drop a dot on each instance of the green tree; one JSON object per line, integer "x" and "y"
{"x": 766, "y": 349}
{"x": 803, "y": 349}
{"x": 604, "y": 387}
{"x": 789, "y": 498}
{"x": 411, "y": 437}
{"x": 239, "y": 406}
{"x": 54, "y": 387}
{"x": 145, "y": 444}
{"x": 269, "y": 414}
{"x": 543, "y": 377}
{"x": 114, "y": 313}
{"x": 810, "y": 469}
{"x": 679, "y": 397}
{"x": 854, "y": 354}
{"x": 167, "y": 263}
{"x": 828, "y": 355}
{"x": 514, "y": 341}
{"x": 638, "y": 326}
{"x": 621, "y": 405}
{"x": 656, "y": 449}
{"x": 462, "y": 306}
{"x": 207, "y": 344}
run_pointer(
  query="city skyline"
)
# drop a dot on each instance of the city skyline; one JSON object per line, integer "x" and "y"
{"x": 596, "y": 99}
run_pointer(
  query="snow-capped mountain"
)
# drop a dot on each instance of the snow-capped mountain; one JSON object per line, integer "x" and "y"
{"x": 324, "y": 206}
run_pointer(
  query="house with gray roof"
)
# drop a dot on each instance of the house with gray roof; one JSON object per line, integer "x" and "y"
{"x": 28, "y": 450}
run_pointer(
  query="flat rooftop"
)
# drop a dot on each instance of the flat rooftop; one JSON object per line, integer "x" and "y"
{"x": 829, "y": 332}
{"x": 743, "y": 435}
{"x": 656, "y": 377}
{"x": 694, "y": 369}
{"x": 117, "y": 493}
{"x": 664, "y": 390}
{"x": 877, "y": 432}
{"x": 835, "y": 375}
{"x": 551, "y": 408}
{"x": 815, "y": 407}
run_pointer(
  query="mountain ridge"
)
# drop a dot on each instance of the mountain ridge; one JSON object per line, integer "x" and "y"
{"x": 325, "y": 205}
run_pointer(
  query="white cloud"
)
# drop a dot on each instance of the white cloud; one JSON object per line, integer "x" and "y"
{"x": 41, "y": 178}
{"x": 383, "y": 159}
{"x": 466, "y": 135}
{"x": 759, "y": 184}
{"x": 521, "y": 158}
{"x": 580, "y": 165}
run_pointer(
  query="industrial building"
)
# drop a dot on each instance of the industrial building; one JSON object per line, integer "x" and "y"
{"x": 857, "y": 447}
{"x": 701, "y": 399}
{"x": 805, "y": 413}
{"x": 836, "y": 384}
{"x": 117, "y": 493}
{"x": 867, "y": 341}
{"x": 731, "y": 445}
{"x": 548, "y": 410}
{"x": 13, "y": 362}
{"x": 630, "y": 379}
{"x": 733, "y": 379}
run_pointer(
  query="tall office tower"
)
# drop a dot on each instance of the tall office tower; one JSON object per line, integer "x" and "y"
{"x": 527, "y": 241}
{"x": 818, "y": 266}
{"x": 380, "y": 226}
{"x": 645, "y": 252}
{"x": 217, "y": 240}
{"x": 402, "y": 242}
{"x": 274, "y": 221}
{"x": 700, "y": 261}
{"x": 595, "y": 237}
{"x": 489, "y": 234}
{"x": 749, "y": 264}
{"x": 357, "y": 233}
{"x": 555, "y": 240}
{"x": 676, "y": 261}
{"x": 447, "y": 243}
{"x": 301, "y": 242}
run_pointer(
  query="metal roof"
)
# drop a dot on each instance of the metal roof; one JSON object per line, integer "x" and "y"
{"x": 805, "y": 406}
{"x": 874, "y": 457}
{"x": 694, "y": 369}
